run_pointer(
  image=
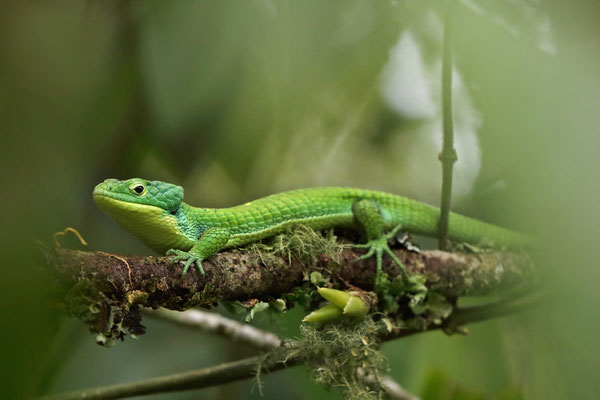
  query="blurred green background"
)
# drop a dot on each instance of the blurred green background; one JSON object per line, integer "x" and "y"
{"x": 238, "y": 99}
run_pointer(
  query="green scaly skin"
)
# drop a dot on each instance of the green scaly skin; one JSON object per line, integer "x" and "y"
{"x": 154, "y": 211}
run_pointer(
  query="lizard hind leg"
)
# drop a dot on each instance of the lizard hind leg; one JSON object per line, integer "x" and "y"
{"x": 367, "y": 215}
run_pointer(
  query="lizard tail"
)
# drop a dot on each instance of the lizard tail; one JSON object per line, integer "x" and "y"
{"x": 423, "y": 219}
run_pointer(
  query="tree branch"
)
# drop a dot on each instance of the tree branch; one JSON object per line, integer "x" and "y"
{"x": 394, "y": 391}
{"x": 448, "y": 155}
{"x": 282, "y": 357}
{"x": 217, "y": 324}
{"x": 211, "y": 376}
{"x": 247, "y": 334}
{"x": 106, "y": 290}
{"x": 388, "y": 385}
{"x": 469, "y": 315}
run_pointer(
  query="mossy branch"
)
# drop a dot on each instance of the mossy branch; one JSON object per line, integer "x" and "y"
{"x": 107, "y": 291}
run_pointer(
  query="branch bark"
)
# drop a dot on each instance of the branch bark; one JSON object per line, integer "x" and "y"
{"x": 107, "y": 290}
{"x": 104, "y": 289}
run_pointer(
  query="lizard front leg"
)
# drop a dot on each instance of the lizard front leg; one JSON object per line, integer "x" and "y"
{"x": 210, "y": 242}
{"x": 367, "y": 215}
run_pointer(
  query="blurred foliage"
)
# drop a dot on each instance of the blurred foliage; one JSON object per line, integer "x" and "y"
{"x": 438, "y": 386}
{"x": 234, "y": 100}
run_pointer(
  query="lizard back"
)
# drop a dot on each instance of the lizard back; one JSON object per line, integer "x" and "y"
{"x": 326, "y": 207}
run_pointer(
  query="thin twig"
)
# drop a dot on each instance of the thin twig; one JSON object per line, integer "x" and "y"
{"x": 277, "y": 360}
{"x": 215, "y": 323}
{"x": 394, "y": 391}
{"x": 63, "y": 233}
{"x": 473, "y": 314}
{"x": 211, "y": 376}
{"x": 247, "y": 334}
{"x": 390, "y": 387}
{"x": 470, "y": 315}
{"x": 448, "y": 155}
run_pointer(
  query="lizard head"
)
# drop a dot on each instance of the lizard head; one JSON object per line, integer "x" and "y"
{"x": 147, "y": 209}
{"x": 113, "y": 193}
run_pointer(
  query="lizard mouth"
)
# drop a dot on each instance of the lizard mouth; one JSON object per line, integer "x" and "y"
{"x": 102, "y": 192}
{"x": 133, "y": 217}
{"x": 102, "y": 196}
{"x": 120, "y": 206}
{"x": 106, "y": 202}
{"x": 99, "y": 193}
{"x": 102, "y": 189}
{"x": 113, "y": 203}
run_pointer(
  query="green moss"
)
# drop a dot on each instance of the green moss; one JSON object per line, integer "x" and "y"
{"x": 305, "y": 296}
{"x": 307, "y": 246}
{"x": 345, "y": 355}
{"x": 83, "y": 301}
{"x": 317, "y": 279}
{"x": 109, "y": 319}
{"x": 136, "y": 297}
{"x": 301, "y": 243}
{"x": 208, "y": 295}
{"x": 276, "y": 306}
{"x": 392, "y": 293}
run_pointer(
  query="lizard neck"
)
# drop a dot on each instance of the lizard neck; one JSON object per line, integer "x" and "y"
{"x": 193, "y": 221}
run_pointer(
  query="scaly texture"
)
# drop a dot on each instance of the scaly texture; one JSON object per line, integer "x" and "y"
{"x": 154, "y": 212}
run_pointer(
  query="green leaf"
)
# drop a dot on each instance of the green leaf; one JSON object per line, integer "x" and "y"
{"x": 258, "y": 307}
{"x": 278, "y": 305}
{"x": 316, "y": 278}
{"x": 231, "y": 306}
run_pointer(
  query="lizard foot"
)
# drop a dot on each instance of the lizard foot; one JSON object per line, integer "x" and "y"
{"x": 189, "y": 259}
{"x": 377, "y": 247}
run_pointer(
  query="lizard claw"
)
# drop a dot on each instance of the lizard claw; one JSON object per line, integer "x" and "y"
{"x": 189, "y": 258}
{"x": 392, "y": 233}
{"x": 378, "y": 247}
{"x": 367, "y": 254}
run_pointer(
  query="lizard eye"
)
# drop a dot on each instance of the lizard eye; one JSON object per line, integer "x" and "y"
{"x": 138, "y": 189}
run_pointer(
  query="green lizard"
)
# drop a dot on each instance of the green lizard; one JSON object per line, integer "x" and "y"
{"x": 154, "y": 211}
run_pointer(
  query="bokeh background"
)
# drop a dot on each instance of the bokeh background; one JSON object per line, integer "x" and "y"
{"x": 238, "y": 99}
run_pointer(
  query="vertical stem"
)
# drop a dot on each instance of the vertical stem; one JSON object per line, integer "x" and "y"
{"x": 448, "y": 155}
